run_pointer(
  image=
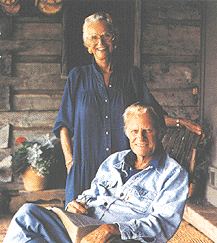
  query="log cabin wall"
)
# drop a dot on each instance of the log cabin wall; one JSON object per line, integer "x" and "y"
{"x": 170, "y": 54}
{"x": 30, "y": 79}
{"x": 35, "y": 61}
{"x": 37, "y": 53}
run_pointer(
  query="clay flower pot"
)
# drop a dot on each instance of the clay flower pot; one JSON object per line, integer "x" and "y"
{"x": 32, "y": 181}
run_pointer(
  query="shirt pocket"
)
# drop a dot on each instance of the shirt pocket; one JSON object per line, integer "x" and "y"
{"x": 140, "y": 198}
{"x": 107, "y": 188}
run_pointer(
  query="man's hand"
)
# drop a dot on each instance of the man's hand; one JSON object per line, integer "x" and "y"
{"x": 104, "y": 233}
{"x": 75, "y": 207}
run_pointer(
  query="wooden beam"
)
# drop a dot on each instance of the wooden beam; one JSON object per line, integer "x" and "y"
{"x": 137, "y": 34}
{"x": 64, "y": 66}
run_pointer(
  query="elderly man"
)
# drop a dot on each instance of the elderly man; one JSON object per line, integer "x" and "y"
{"x": 140, "y": 193}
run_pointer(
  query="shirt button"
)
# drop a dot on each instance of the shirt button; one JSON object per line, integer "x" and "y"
{"x": 110, "y": 85}
{"x": 121, "y": 195}
{"x": 107, "y": 149}
{"x": 106, "y": 117}
{"x": 106, "y": 101}
{"x": 107, "y": 133}
{"x": 105, "y": 204}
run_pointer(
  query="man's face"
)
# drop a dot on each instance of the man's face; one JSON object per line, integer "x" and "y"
{"x": 142, "y": 135}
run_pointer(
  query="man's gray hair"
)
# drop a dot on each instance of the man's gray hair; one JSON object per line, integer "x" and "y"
{"x": 99, "y": 17}
{"x": 138, "y": 109}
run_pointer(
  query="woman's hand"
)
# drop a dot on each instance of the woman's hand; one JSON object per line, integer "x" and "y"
{"x": 192, "y": 126}
{"x": 75, "y": 207}
{"x": 105, "y": 233}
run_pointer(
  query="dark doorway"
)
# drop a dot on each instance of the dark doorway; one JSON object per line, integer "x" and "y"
{"x": 121, "y": 11}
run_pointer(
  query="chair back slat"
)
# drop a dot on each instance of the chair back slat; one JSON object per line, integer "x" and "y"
{"x": 179, "y": 144}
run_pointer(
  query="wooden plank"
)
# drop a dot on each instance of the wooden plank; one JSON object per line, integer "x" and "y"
{"x": 36, "y": 102}
{"x": 171, "y": 40}
{"x": 180, "y": 97}
{"x": 5, "y": 133}
{"x": 30, "y": 119}
{"x": 39, "y": 76}
{"x": 5, "y": 63}
{"x": 191, "y": 113}
{"x": 172, "y": 75}
{"x": 137, "y": 34}
{"x": 5, "y": 98}
{"x": 65, "y": 51}
{"x": 39, "y": 19}
{"x": 38, "y": 59}
{"x": 15, "y": 83}
{"x": 151, "y": 59}
{"x": 6, "y": 27}
{"x": 172, "y": 10}
{"x": 203, "y": 61}
{"x": 37, "y": 31}
{"x": 202, "y": 217}
{"x": 32, "y": 47}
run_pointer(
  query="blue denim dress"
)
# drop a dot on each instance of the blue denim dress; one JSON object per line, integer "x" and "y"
{"x": 92, "y": 112}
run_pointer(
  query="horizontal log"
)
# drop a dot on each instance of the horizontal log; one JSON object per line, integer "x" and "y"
{"x": 190, "y": 113}
{"x": 32, "y": 47}
{"x": 159, "y": 21}
{"x": 37, "y": 31}
{"x": 150, "y": 59}
{"x": 36, "y": 102}
{"x": 38, "y": 59}
{"x": 48, "y": 92}
{"x": 172, "y": 10}
{"x": 14, "y": 82}
{"x": 39, "y": 76}
{"x": 176, "y": 97}
{"x": 171, "y": 40}
{"x": 39, "y": 19}
{"x": 172, "y": 75}
{"x": 29, "y": 119}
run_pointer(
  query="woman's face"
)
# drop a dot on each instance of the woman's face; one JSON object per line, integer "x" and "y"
{"x": 99, "y": 40}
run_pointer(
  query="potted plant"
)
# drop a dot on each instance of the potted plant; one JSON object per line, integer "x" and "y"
{"x": 33, "y": 161}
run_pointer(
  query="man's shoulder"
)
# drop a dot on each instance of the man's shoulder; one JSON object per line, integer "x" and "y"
{"x": 173, "y": 166}
{"x": 116, "y": 157}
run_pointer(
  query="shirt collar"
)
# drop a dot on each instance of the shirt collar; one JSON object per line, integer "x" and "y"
{"x": 97, "y": 67}
{"x": 130, "y": 158}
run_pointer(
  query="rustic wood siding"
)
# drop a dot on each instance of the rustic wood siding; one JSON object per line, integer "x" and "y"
{"x": 31, "y": 92}
{"x": 170, "y": 54}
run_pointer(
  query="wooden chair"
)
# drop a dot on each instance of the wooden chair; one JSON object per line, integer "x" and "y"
{"x": 181, "y": 145}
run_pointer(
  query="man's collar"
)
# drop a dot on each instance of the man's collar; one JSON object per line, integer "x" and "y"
{"x": 130, "y": 158}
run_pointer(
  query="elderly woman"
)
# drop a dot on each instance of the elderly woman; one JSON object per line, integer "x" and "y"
{"x": 94, "y": 100}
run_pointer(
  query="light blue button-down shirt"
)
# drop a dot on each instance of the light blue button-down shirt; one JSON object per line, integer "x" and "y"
{"x": 148, "y": 205}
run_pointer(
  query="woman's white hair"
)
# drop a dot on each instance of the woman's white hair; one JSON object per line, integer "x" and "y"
{"x": 99, "y": 17}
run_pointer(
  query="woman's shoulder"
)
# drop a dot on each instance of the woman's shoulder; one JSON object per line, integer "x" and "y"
{"x": 80, "y": 69}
